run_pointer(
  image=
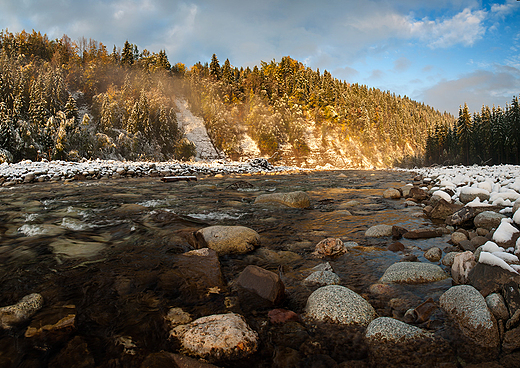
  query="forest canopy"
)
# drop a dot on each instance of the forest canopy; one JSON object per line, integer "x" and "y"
{"x": 65, "y": 99}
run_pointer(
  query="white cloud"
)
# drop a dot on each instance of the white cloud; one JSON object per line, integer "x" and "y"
{"x": 507, "y": 8}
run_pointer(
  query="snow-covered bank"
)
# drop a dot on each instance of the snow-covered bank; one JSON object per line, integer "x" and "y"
{"x": 497, "y": 185}
{"x": 29, "y": 171}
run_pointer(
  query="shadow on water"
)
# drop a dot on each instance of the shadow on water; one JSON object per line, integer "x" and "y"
{"x": 133, "y": 233}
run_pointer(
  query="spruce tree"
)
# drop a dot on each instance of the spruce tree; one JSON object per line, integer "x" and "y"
{"x": 127, "y": 55}
{"x": 214, "y": 67}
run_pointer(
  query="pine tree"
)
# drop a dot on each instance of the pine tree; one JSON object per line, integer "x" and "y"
{"x": 127, "y": 56}
{"x": 464, "y": 132}
{"x": 71, "y": 110}
{"x": 214, "y": 68}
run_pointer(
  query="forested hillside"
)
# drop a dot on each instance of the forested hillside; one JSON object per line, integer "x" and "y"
{"x": 64, "y": 99}
{"x": 491, "y": 136}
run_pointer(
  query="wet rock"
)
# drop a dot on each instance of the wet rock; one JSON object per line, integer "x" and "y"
{"x": 488, "y": 220}
{"x": 418, "y": 194}
{"x": 263, "y": 283}
{"x": 463, "y": 263}
{"x": 424, "y": 310}
{"x": 490, "y": 279}
{"x": 220, "y": 337}
{"x": 398, "y": 232}
{"x": 280, "y": 315}
{"x": 195, "y": 275}
{"x": 53, "y": 324}
{"x": 338, "y": 304}
{"x": 72, "y": 248}
{"x": 467, "y": 308}
{"x": 228, "y": 239}
{"x": 129, "y": 209}
{"x": 329, "y": 247}
{"x": 318, "y": 361}
{"x": 396, "y": 247}
{"x": 496, "y": 305}
{"x": 443, "y": 209}
{"x": 433, "y": 254}
{"x": 405, "y": 189}
{"x": 413, "y": 273}
{"x": 29, "y": 178}
{"x": 21, "y": 311}
{"x": 422, "y": 234}
{"x": 292, "y": 199}
{"x": 285, "y": 357}
{"x": 392, "y": 193}
{"x": 457, "y": 237}
{"x": 322, "y": 278}
{"x": 379, "y": 231}
{"x": 394, "y": 343}
{"x": 75, "y": 354}
{"x": 449, "y": 258}
{"x": 165, "y": 359}
{"x": 176, "y": 317}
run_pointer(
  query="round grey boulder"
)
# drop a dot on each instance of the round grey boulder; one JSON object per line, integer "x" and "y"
{"x": 379, "y": 231}
{"x": 228, "y": 239}
{"x": 338, "y": 304}
{"x": 413, "y": 273}
{"x": 385, "y": 329}
{"x": 322, "y": 278}
{"x": 293, "y": 199}
{"x": 449, "y": 258}
{"x": 488, "y": 220}
{"x": 219, "y": 336}
{"x": 468, "y": 309}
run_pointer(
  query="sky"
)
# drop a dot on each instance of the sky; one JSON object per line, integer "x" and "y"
{"x": 443, "y": 53}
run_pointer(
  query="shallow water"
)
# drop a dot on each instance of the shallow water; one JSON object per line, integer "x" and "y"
{"x": 105, "y": 247}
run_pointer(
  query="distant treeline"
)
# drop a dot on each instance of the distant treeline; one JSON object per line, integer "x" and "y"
{"x": 46, "y": 86}
{"x": 491, "y": 136}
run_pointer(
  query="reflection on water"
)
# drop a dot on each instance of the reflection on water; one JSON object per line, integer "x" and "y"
{"x": 107, "y": 249}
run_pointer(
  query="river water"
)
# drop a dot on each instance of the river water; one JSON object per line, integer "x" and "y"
{"x": 100, "y": 250}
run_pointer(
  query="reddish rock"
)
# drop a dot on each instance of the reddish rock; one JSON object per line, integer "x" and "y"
{"x": 443, "y": 210}
{"x": 396, "y": 247}
{"x": 418, "y": 194}
{"x": 265, "y": 284}
{"x": 329, "y": 247}
{"x": 422, "y": 234}
{"x": 281, "y": 315}
{"x": 398, "y": 231}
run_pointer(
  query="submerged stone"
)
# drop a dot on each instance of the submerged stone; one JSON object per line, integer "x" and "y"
{"x": 293, "y": 199}
{"x": 228, "y": 239}
{"x": 21, "y": 311}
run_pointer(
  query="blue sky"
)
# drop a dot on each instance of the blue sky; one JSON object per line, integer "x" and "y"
{"x": 442, "y": 53}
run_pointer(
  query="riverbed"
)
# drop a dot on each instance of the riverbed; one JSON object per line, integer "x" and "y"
{"x": 100, "y": 250}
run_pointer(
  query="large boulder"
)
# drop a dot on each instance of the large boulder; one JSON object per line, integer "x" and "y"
{"x": 262, "y": 283}
{"x": 413, "y": 273}
{"x": 228, "y": 239}
{"x": 488, "y": 220}
{"x": 219, "y": 337}
{"x": 466, "y": 215}
{"x": 470, "y": 315}
{"x": 394, "y": 343}
{"x": 490, "y": 279}
{"x": 338, "y": 304}
{"x": 292, "y": 199}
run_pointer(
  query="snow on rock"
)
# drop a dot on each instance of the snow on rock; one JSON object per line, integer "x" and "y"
{"x": 492, "y": 260}
{"x": 442, "y": 194}
{"x": 491, "y": 247}
{"x": 504, "y": 232}
{"x": 468, "y": 194}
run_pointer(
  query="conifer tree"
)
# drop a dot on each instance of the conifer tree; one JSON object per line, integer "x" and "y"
{"x": 464, "y": 132}
{"x": 127, "y": 55}
{"x": 214, "y": 67}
